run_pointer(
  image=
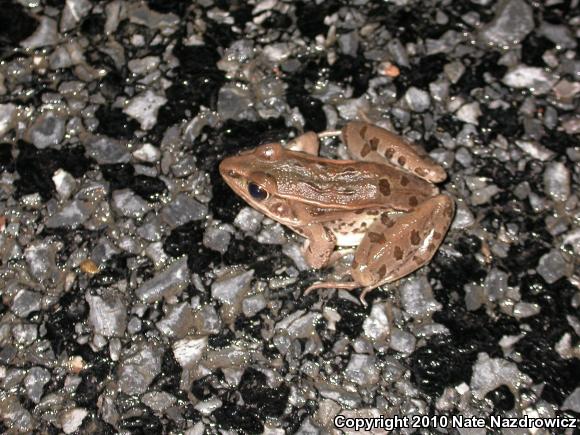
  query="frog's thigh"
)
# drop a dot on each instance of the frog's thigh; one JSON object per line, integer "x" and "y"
{"x": 307, "y": 143}
{"x": 319, "y": 245}
{"x": 395, "y": 247}
{"x": 371, "y": 143}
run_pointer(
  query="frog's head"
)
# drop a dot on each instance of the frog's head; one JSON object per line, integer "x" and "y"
{"x": 253, "y": 176}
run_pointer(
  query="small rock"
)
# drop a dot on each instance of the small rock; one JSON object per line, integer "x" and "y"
{"x": 73, "y": 13}
{"x": 572, "y": 402}
{"x": 535, "y": 149}
{"x": 553, "y": 266}
{"x": 512, "y": 22}
{"x": 25, "y": 302}
{"x": 253, "y": 305}
{"x": 234, "y": 100}
{"x": 129, "y": 204}
{"x": 463, "y": 218}
{"x": 108, "y": 314}
{"x": 484, "y": 195}
{"x": 377, "y": 326}
{"x": 144, "y": 107}
{"x": 536, "y": 79}
{"x": 417, "y": 298}
{"x": 188, "y": 351}
{"x": 491, "y": 373}
{"x": 469, "y": 113}
{"x": 559, "y": 34}
{"x": 169, "y": 283}
{"x": 138, "y": 367}
{"x": 361, "y": 370}
{"x": 248, "y": 220}
{"x": 147, "y": 153}
{"x": 402, "y": 341}
{"x": 64, "y": 183}
{"x": 182, "y": 210}
{"x": 7, "y": 118}
{"x": 178, "y": 320}
{"x": 41, "y": 258}
{"x": 228, "y": 289}
{"x": 217, "y": 237}
{"x": 71, "y": 215}
{"x": 525, "y": 309}
{"x": 144, "y": 65}
{"x": 34, "y": 383}
{"x": 417, "y": 99}
{"x": 44, "y": 36}
{"x": 557, "y": 181}
{"x": 106, "y": 150}
{"x": 47, "y": 130}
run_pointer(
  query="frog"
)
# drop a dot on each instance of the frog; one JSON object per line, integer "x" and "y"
{"x": 382, "y": 203}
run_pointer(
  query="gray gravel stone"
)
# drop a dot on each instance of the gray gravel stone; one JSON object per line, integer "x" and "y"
{"x": 7, "y": 118}
{"x": 139, "y": 366}
{"x": 166, "y": 284}
{"x": 572, "y": 402}
{"x": 47, "y": 130}
{"x": 71, "y": 215}
{"x": 402, "y": 341}
{"x": 25, "y": 302}
{"x": 108, "y": 313}
{"x": 491, "y": 373}
{"x": 129, "y": 204}
{"x": 217, "y": 237}
{"x": 44, "y": 36}
{"x": 361, "y": 370}
{"x": 536, "y": 79}
{"x": 106, "y": 150}
{"x": 553, "y": 266}
{"x": 182, "y": 210}
{"x": 228, "y": 289}
{"x": 417, "y": 297}
{"x": 178, "y": 320}
{"x": 35, "y": 381}
{"x": 512, "y": 22}
{"x": 557, "y": 181}
{"x": 417, "y": 99}
{"x": 144, "y": 107}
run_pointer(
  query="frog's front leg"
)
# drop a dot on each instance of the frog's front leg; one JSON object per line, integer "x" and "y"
{"x": 396, "y": 246}
{"x": 319, "y": 245}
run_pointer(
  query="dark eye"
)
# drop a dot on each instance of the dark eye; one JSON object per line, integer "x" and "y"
{"x": 257, "y": 192}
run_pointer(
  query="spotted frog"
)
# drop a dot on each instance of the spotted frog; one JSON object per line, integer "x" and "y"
{"x": 384, "y": 202}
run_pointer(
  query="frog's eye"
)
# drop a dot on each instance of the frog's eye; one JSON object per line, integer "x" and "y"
{"x": 257, "y": 192}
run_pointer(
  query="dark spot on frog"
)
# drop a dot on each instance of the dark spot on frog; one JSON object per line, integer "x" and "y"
{"x": 398, "y": 253}
{"x": 365, "y": 150}
{"x": 385, "y": 187}
{"x": 363, "y": 131}
{"x": 404, "y": 180}
{"x": 415, "y": 239}
{"x": 389, "y": 153}
{"x": 374, "y": 143}
{"x": 437, "y": 235}
{"x": 402, "y": 160}
{"x": 382, "y": 270}
{"x": 413, "y": 201}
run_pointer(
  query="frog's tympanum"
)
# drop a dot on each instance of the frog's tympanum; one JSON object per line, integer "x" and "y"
{"x": 384, "y": 203}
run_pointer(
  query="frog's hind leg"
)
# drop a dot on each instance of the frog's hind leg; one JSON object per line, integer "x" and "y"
{"x": 375, "y": 144}
{"x": 397, "y": 246}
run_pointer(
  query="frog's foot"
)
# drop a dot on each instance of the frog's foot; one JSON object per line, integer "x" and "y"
{"x": 352, "y": 285}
